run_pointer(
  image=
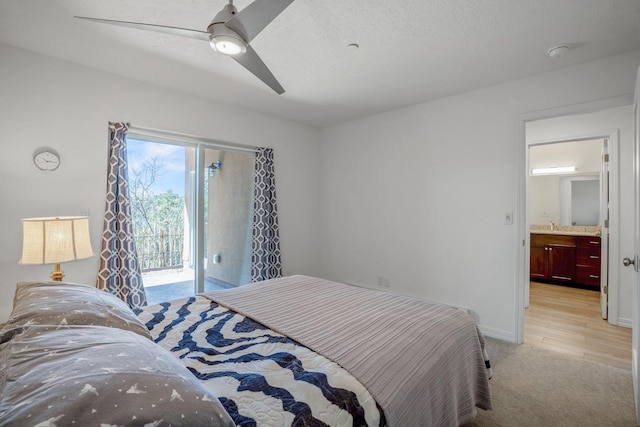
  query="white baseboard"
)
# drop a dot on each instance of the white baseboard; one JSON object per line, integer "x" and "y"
{"x": 497, "y": 334}
{"x": 627, "y": 323}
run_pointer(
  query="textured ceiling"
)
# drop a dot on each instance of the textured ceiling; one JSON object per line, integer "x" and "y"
{"x": 410, "y": 51}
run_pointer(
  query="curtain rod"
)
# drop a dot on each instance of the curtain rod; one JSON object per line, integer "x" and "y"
{"x": 190, "y": 139}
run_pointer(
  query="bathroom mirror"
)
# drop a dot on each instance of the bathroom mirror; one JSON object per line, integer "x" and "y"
{"x": 584, "y": 207}
{"x": 565, "y": 200}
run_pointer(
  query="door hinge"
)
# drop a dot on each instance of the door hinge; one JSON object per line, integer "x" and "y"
{"x": 606, "y": 223}
{"x": 606, "y": 158}
{"x": 605, "y": 289}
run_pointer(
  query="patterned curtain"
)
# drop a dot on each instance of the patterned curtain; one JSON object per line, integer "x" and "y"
{"x": 265, "y": 250}
{"x": 119, "y": 269}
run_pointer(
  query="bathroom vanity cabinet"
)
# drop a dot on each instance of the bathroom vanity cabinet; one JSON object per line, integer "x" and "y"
{"x": 565, "y": 258}
{"x": 588, "y": 255}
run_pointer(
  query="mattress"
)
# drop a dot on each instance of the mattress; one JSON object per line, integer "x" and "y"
{"x": 306, "y": 351}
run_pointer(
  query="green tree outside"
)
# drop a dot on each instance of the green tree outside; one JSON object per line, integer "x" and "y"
{"x": 158, "y": 218}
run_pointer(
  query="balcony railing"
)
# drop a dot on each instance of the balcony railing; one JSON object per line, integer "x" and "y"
{"x": 160, "y": 250}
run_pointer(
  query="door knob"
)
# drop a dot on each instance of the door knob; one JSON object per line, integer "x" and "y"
{"x": 627, "y": 262}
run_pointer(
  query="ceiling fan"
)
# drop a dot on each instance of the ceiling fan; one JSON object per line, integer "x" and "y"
{"x": 229, "y": 33}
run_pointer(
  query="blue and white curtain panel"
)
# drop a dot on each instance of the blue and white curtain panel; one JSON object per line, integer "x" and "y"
{"x": 119, "y": 271}
{"x": 265, "y": 252}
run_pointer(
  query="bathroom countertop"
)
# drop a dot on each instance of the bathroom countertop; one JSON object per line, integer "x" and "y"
{"x": 567, "y": 233}
{"x": 576, "y": 230}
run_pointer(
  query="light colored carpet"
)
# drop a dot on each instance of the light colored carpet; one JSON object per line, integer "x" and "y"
{"x": 536, "y": 387}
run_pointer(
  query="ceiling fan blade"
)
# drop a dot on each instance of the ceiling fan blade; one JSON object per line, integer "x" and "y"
{"x": 252, "y": 62}
{"x": 175, "y": 31}
{"x": 253, "y": 18}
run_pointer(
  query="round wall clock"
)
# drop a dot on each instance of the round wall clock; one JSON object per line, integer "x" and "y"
{"x": 46, "y": 159}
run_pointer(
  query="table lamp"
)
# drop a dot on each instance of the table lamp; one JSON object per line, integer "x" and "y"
{"x": 55, "y": 240}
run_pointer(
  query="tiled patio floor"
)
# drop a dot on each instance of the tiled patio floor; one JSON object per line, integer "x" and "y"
{"x": 162, "y": 293}
{"x": 168, "y": 285}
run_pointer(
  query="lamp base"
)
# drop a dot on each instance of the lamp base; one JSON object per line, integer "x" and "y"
{"x": 57, "y": 274}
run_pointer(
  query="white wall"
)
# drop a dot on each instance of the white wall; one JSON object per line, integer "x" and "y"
{"x": 586, "y": 156}
{"x": 419, "y": 194}
{"x": 45, "y": 101}
{"x": 544, "y": 199}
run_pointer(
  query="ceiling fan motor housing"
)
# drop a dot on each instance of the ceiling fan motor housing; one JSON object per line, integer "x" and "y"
{"x": 222, "y": 38}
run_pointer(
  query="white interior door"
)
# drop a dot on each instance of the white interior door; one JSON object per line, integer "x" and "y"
{"x": 604, "y": 226}
{"x": 633, "y": 261}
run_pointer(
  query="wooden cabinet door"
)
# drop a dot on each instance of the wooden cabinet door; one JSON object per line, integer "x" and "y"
{"x": 538, "y": 264}
{"x": 562, "y": 263}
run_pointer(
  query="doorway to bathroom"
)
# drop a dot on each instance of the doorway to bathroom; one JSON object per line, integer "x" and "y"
{"x": 615, "y": 126}
{"x": 569, "y": 213}
{"x": 569, "y": 252}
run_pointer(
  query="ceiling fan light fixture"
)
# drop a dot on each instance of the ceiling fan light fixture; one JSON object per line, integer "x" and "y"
{"x": 228, "y": 44}
{"x": 229, "y": 33}
{"x": 222, "y": 38}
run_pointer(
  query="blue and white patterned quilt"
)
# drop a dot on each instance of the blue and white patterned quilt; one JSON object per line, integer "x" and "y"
{"x": 261, "y": 377}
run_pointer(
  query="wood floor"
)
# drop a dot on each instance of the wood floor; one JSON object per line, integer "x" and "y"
{"x": 568, "y": 320}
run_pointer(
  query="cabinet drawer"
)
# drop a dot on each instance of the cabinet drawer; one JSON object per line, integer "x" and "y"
{"x": 588, "y": 276}
{"x": 588, "y": 251}
{"x": 550, "y": 239}
{"x": 588, "y": 242}
{"x": 588, "y": 260}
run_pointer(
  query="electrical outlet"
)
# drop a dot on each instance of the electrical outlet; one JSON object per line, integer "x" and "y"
{"x": 384, "y": 282}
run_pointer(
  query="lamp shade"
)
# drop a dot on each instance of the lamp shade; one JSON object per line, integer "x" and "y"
{"x": 55, "y": 240}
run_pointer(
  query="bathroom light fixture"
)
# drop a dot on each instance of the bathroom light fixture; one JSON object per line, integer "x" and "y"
{"x": 553, "y": 170}
{"x": 213, "y": 167}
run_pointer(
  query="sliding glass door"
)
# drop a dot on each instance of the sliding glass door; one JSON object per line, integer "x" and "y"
{"x": 228, "y": 217}
{"x": 192, "y": 208}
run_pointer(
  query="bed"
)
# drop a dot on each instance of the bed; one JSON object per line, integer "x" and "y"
{"x": 293, "y": 351}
